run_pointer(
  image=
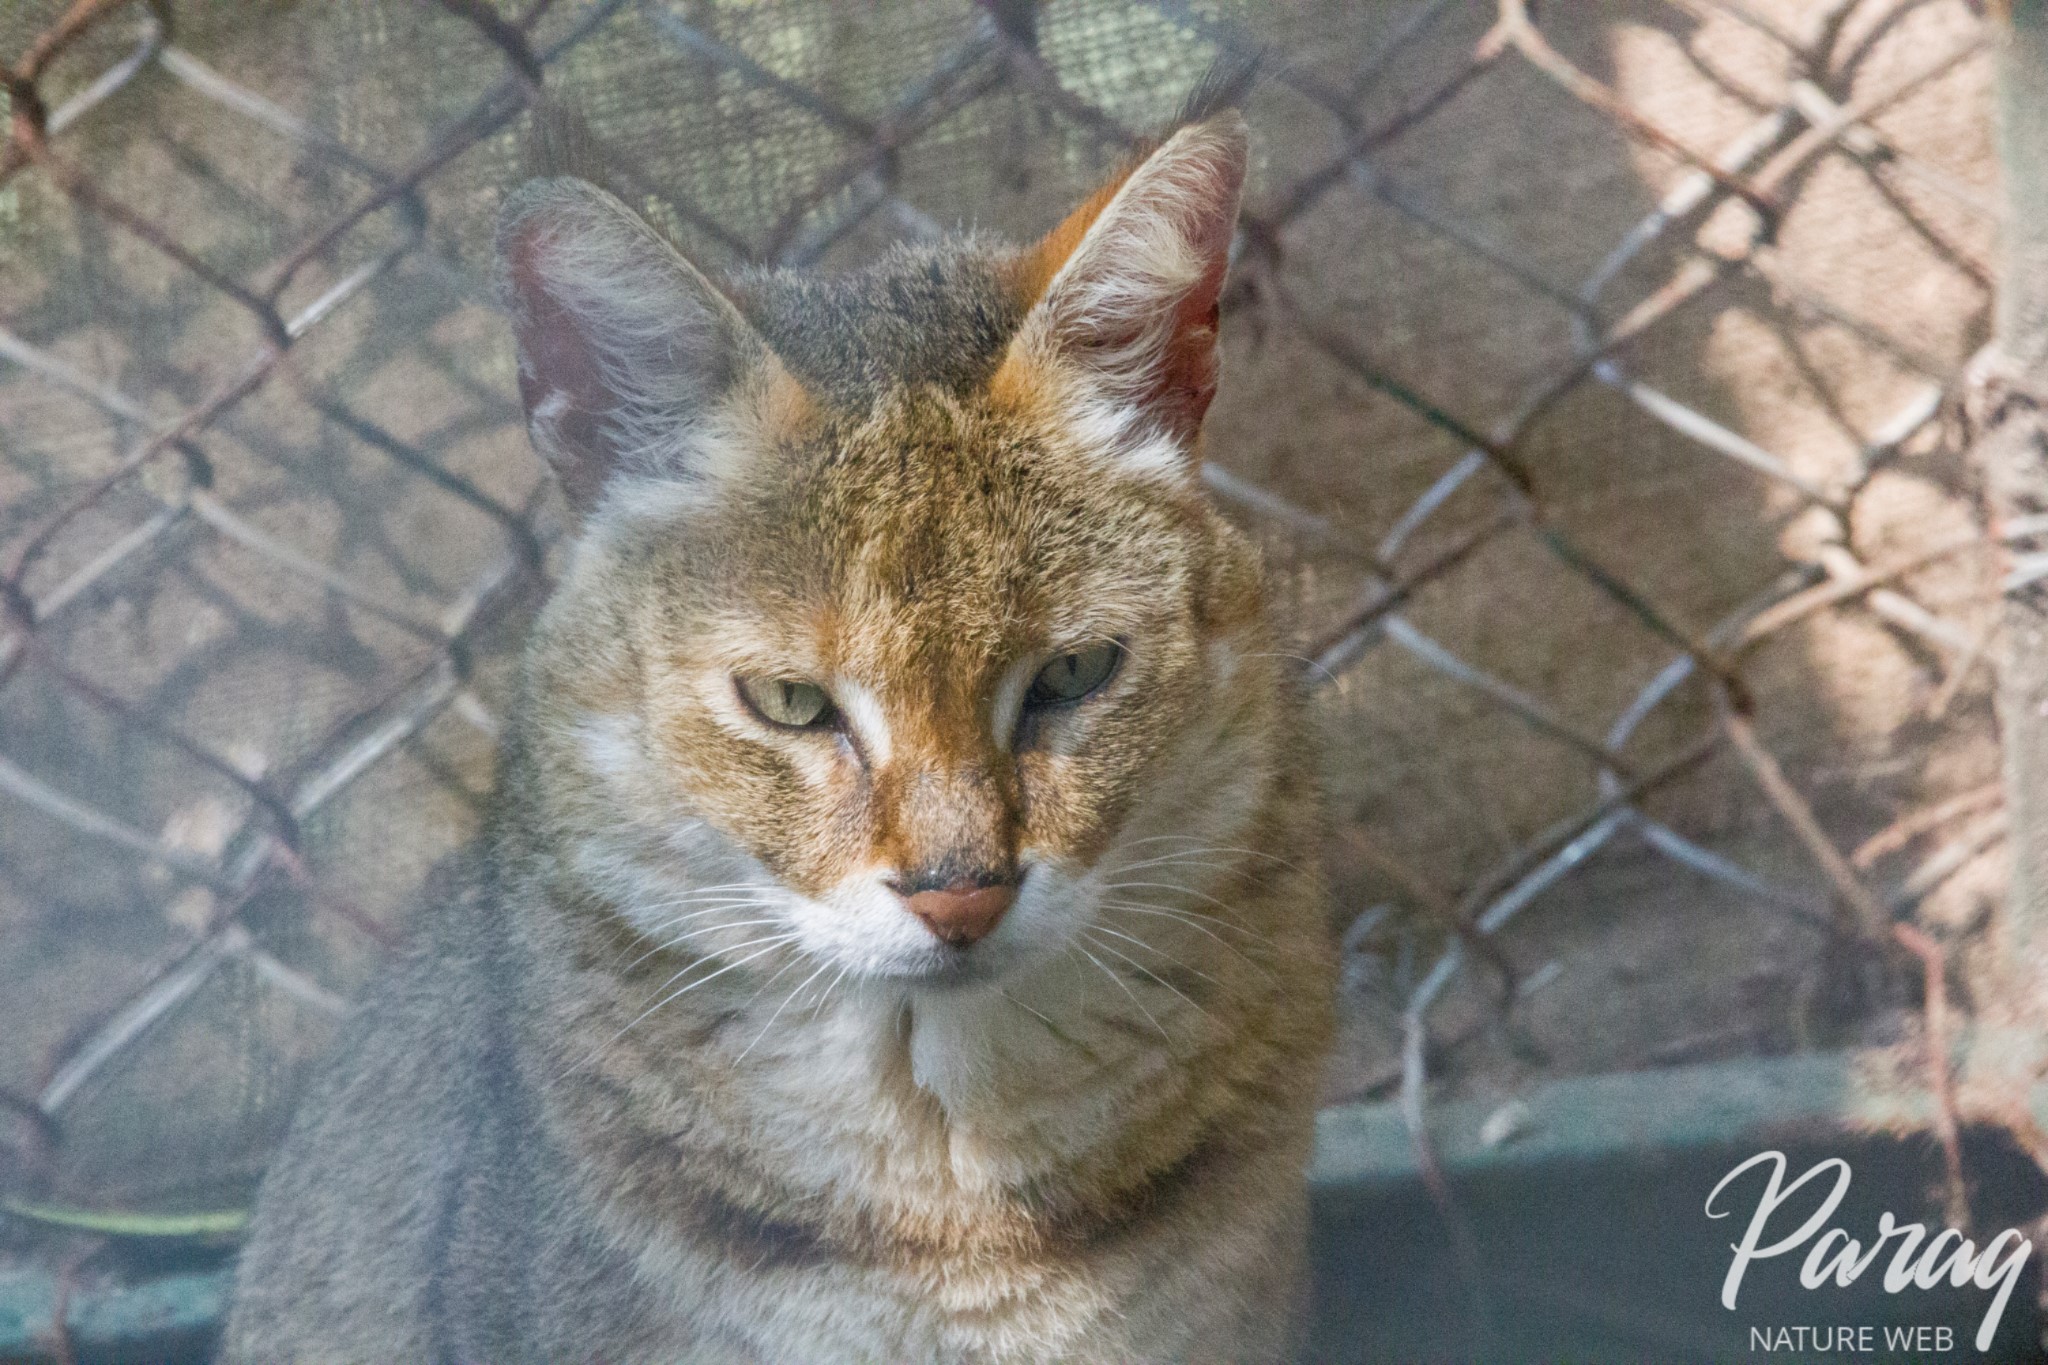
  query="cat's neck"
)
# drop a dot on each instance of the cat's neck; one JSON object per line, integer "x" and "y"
{"x": 1003, "y": 1083}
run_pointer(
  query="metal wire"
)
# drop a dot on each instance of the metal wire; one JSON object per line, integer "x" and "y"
{"x": 157, "y": 500}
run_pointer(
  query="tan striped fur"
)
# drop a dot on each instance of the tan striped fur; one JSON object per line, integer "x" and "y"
{"x": 674, "y": 1073}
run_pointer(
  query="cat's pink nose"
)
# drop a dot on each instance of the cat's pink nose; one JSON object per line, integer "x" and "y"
{"x": 962, "y": 913}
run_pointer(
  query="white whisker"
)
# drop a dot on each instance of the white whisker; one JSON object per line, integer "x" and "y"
{"x": 1126, "y": 987}
{"x": 712, "y": 956}
{"x": 764, "y": 947}
{"x": 1151, "y": 948}
{"x": 706, "y": 907}
{"x": 773, "y": 977}
{"x": 1192, "y": 858}
{"x": 823, "y": 967}
{"x": 697, "y": 893}
{"x": 678, "y": 940}
{"x": 1169, "y": 886}
{"x": 1125, "y": 957}
{"x": 830, "y": 986}
{"x": 1197, "y": 921}
{"x": 1212, "y": 848}
{"x": 1049, "y": 1025}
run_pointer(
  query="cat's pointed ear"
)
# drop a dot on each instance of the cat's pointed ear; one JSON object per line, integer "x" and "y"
{"x": 623, "y": 344}
{"x": 1126, "y": 291}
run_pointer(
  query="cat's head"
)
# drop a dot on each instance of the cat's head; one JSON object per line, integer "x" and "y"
{"x": 898, "y": 622}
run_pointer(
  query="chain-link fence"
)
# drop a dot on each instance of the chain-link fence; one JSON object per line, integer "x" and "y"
{"x": 1585, "y": 380}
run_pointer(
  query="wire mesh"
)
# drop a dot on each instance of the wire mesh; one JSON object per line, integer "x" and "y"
{"x": 1598, "y": 433}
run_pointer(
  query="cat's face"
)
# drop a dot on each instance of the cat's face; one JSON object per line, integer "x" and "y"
{"x": 931, "y": 648}
{"x": 907, "y": 686}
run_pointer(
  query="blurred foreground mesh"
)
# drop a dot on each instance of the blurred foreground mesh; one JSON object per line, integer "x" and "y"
{"x": 1586, "y": 380}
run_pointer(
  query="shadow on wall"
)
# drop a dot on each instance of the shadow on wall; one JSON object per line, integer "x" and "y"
{"x": 1453, "y": 263}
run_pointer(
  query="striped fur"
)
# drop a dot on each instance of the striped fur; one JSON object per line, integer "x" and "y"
{"x": 672, "y": 1072}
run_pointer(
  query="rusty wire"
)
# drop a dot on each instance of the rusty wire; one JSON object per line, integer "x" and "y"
{"x": 995, "y": 51}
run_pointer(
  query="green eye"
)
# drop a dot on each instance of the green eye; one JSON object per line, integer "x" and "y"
{"x": 1071, "y": 677}
{"x": 787, "y": 701}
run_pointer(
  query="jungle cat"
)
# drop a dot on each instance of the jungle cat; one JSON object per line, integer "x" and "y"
{"x": 899, "y": 935}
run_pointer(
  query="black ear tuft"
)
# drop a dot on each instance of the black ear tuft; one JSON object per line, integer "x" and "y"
{"x": 1222, "y": 87}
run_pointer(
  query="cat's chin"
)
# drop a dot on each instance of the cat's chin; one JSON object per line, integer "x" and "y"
{"x": 947, "y": 968}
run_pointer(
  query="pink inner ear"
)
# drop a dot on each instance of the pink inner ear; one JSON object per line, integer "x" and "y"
{"x": 1151, "y": 336}
{"x": 559, "y": 366}
{"x": 1187, "y": 371}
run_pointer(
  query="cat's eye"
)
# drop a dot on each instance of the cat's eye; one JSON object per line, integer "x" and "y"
{"x": 789, "y": 702}
{"x": 1070, "y": 677}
